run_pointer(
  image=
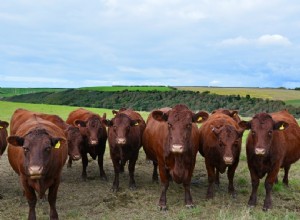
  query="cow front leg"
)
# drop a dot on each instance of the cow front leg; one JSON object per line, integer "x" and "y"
{"x": 31, "y": 199}
{"x": 100, "y": 164}
{"x": 269, "y": 182}
{"x": 165, "y": 185}
{"x": 131, "y": 169}
{"x": 254, "y": 182}
{"x": 69, "y": 165}
{"x": 230, "y": 176}
{"x": 187, "y": 195}
{"x": 211, "y": 179}
{"x": 52, "y": 195}
{"x": 85, "y": 162}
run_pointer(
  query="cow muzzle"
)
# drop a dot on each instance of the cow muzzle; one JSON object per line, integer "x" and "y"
{"x": 76, "y": 157}
{"x": 93, "y": 142}
{"x": 177, "y": 148}
{"x": 35, "y": 172}
{"x": 260, "y": 151}
{"x": 228, "y": 160}
{"x": 121, "y": 140}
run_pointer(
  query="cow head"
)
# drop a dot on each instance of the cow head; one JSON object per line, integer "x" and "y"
{"x": 75, "y": 141}
{"x": 262, "y": 128}
{"x": 91, "y": 129}
{"x": 38, "y": 146}
{"x": 231, "y": 113}
{"x": 3, "y": 136}
{"x": 180, "y": 121}
{"x": 120, "y": 126}
{"x": 229, "y": 140}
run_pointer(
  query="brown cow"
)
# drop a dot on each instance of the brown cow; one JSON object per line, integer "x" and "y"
{"x": 125, "y": 132}
{"x": 171, "y": 141}
{"x": 37, "y": 152}
{"x": 220, "y": 145}
{"x": 3, "y": 136}
{"x": 272, "y": 143}
{"x": 72, "y": 133}
{"x": 93, "y": 131}
{"x": 232, "y": 113}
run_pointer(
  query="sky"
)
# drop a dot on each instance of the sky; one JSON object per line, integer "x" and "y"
{"x": 74, "y": 43}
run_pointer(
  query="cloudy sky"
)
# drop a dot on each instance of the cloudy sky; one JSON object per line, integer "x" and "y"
{"x": 73, "y": 43}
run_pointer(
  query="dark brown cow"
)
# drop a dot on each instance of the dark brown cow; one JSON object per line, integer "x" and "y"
{"x": 125, "y": 132}
{"x": 272, "y": 143}
{"x": 3, "y": 136}
{"x": 232, "y": 113}
{"x": 72, "y": 133}
{"x": 93, "y": 131}
{"x": 171, "y": 141}
{"x": 220, "y": 145}
{"x": 37, "y": 152}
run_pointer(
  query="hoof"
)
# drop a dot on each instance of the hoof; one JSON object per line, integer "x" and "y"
{"x": 265, "y": 209}
{"x": 190, "y": 206}
{"x": 114, "y": 189}
{"x": 163, "y": 208}
{"x": 132, "y": 187}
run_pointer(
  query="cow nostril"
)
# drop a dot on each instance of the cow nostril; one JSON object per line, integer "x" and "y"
{"x": 94, "y": 142}
{"x": 121, "y": 141}
{"x": 35, "y": 172}
{"x": 228, "y": 160}
{"x": 177, "y": 148}
{"x": 76, "y": 157}
{"x": 260, "y": 151}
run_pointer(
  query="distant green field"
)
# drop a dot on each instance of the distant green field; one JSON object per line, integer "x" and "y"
{"x": 7, "y": 92}
{"x": 129, "y": 88}
{"x": 293, "y": 102}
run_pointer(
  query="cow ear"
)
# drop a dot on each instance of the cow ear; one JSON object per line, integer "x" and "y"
{"x": 79, "y": 123}
{"x": 55, "y": 142}
{"x": 233, "y": 113}
{"x": 114, "y": 112}
{"x": 135, "y": 122}
{"x": 3, "y": 124}
{"x": 16, "y": 141}
{"x": 108, "y": 122}
{"x": 281, "y": 125}
{"x": 160, "y": 116}
{"x": 246, "y": 125}
{"x": 200, "y": 117}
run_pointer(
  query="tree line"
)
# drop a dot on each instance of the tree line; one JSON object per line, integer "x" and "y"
{"x": 149, "y": 100}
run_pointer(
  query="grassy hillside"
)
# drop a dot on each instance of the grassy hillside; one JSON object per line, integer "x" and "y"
{"x": 7, "y": 92}
{"x": 93, "y": 199}
{"x": 129, "y": 88}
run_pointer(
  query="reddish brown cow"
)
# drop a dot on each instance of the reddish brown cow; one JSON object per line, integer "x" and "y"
{"x": 125, "y": 132}
{"x": 272, "y": 143}
{"x": 37, "y": 152}
{"x": 3, "y": 136}
{"x": 93, "y": 131}
{"x": 171, "y": 141}
{"x": 72, "y": 133}
{"x": 220, "y": 145}
{"x": 232, "y": 113}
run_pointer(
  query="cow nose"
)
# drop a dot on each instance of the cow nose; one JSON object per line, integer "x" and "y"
{"x": 35, "y": 172}
{"x": 121, "y": 141}
{"x": 228, "y": 160}
{"x": 94, "y": 142}
{"x": 76, "y": 157}
{"x": 177, "y": 148}
{"x": 260, "y": 151}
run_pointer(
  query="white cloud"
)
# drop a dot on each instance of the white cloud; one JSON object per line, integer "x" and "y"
{"x": 274, "y": 39}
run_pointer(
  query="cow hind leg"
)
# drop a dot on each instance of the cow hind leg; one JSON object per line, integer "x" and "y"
{"x": 69, "y": 165}
{"x": 84, "y": 166}
{"x": 155, "y": 174}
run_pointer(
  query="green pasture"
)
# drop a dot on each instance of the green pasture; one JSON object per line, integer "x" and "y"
{"x": 129, "y": 88}
{"x": 264, "y": 93}
{"x": 7, "y": 92}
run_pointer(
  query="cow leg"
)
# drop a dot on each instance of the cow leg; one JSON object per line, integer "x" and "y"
{"x": 85, "y": 162}
{"x": 187, "y": 195}
{"x": 165, "y": 185}
{"x": 270, "y": 180}
{"x": 230, "y": 176}
{"x": 254, "y": 182}
{"x": 155, "y": 174}
{"x": 69, "y": 165}
{"x": 211, "y": 178}
{"x": 116, "y": 163}
{"x": 131, "y": 168}
{"x": 100, "y": 164}
{"x": 52, "y": 195}
{"x": 31, "y": 199}
{"x": 286, "y": 175}
{"x": 217, "y": 179}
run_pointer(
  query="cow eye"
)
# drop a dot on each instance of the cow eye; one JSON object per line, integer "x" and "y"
{"x": 253, "y": 133}
{"x": 128, "y": 127}
{"x": 169, "y": 125}
{"x": 48, "y": 149}
{"x": 270, "y": 132}
{"x": 188, "y": 125}
{"x": 26, "y": 149}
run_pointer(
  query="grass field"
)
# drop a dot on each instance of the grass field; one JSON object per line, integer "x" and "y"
{"x": 7, "y": 92}
{"x": 93, "y": 199}
{"x": 290, "y": 96}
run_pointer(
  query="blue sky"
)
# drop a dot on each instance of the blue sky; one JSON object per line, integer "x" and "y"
{"x": 72, "y": 43}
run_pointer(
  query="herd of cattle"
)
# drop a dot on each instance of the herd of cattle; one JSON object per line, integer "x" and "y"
{"x": 39, "y": 144}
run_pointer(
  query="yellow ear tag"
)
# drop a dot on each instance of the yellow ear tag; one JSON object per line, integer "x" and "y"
{"x": 57, "y": 145}
{"x": 281, "y": 127}
{"x": 1, "y": 127}
{"x": 136, "y": 124}
{"x": 199, "y": 119}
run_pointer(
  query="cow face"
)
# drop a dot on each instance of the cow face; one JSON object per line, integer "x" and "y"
{"x": 75, "y": 141}
{"x": 90, "y": 129}
{"x": 120, "y": 127}
{"x": 37, "y": 145}
{"x": 262, "y": 131}
{"x": 229, "y": 142}
{"x": 180, "y": 124}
